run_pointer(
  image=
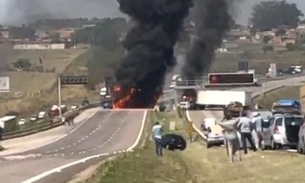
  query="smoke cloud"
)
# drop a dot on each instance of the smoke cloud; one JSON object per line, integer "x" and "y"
{"x": 150, "y": 46}
{"x": 18, "y": 12}
{"x": 212, "y": 20}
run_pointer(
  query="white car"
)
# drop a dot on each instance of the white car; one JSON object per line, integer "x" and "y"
{"x": 34, "y": 118}
{"x": 282, "y": 130}
{"x": 42, "y": 114}
{"x": 21, "y": 122}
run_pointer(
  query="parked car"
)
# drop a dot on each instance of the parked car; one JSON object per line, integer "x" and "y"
{"x": 22, "y": 122}
{"x": 42, "y": 115}
{"x": 173, "y": 142}
{"x": 34, "y": 117}
{"x": 281, "y": 130}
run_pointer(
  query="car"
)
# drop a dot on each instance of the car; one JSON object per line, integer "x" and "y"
{"x": 34, "y": 117}
{"x": 107, "y": 105}
{"x": 22, "y": 121}
{"x": 42, "y": 115}
{"x": 173, "y": 142}
{"x": 281, "y": 130}
{"x": 292, "y": 70}
{"x": 212, "y": 132}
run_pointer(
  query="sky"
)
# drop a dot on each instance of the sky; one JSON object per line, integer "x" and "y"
{"x": 22, "y": 11}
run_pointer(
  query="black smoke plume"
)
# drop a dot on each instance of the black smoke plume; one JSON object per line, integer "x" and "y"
{"x": 212, "y": 20}
{"x": 150, "y": 47}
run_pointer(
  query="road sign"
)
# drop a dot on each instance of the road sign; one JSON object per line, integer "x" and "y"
{"x": 231, "y": 78}
{"x": 4, "y": 84}
{"x": 74, "y": 80}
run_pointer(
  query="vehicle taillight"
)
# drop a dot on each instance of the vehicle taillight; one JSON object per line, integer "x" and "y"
{"x": 276, "y": 130}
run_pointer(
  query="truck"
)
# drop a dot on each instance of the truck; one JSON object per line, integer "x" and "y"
{"x": 234, "y": 101}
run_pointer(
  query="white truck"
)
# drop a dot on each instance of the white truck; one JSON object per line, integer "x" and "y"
{"x": 222, "y": 98}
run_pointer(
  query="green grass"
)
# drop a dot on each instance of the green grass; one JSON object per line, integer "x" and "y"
{"x": 282, "y": 93}
{"x": 143, "y": 166}
{"x": 198, "y": 165}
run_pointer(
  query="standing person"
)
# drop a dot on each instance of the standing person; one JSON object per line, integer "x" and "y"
{"x": 229, "y": 126}
{"x": 157, "y": 132}
{"x": 1, "y": 133}
{"x": 257, "y": 129}
{"x": 245, "y": 126}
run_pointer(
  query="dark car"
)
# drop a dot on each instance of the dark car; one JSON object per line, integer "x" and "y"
{"x": 107, "y": 105}
{"x": 173, "y": 142}
{"x": 292, "y": 70}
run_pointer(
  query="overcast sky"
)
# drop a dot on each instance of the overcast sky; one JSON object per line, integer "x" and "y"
{"x": 23, "y": 11}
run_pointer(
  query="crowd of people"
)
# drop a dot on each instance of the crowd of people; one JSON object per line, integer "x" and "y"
{"x": 249, "y": 130}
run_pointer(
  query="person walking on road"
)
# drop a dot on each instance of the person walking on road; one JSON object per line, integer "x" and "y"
{"x": 157, "y": 132}
{"x": 245, "y": 126}
{"x": 230, "y": 131}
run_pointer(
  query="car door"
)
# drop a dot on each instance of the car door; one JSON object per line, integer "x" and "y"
{"x": 267, "y": 133}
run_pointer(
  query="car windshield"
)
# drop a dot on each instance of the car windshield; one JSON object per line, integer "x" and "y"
{"x": 293, "y": 121}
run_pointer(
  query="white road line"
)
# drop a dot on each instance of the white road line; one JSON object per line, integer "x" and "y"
{"x": 63, "y": 136}
{"x": 59, "y": 169}
{"x": 140, "y": 133}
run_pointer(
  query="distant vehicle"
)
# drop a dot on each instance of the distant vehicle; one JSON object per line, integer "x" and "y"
{"x": 107, "y": 105}
{"x": 222, "y": 98}
{"x": 212, "y": 132}
{"x": 292, "y": 70}
{"x": 281, "y": 130}
{"x": 173, "y": 142}
{"x": 21, "y": 122}
{"x": 34, "y": 117}
{"x": 286, "y": 106}
{"x": 103, "y": 91}
{"x": 42, "y": 114}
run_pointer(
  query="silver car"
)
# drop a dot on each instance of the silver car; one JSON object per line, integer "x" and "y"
{"x": 281, "y": 130}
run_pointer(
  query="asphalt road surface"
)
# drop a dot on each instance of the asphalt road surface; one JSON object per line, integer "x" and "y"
{"x": 105, "y": 132}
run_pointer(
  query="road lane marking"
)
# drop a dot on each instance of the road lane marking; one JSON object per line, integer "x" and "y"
{"x": 59, "y": 169}
{"x": 140, "y": 133}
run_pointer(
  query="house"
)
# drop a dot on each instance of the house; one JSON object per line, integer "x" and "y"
{"x": 66, "y": 34}
{"x": 238, "y": 34}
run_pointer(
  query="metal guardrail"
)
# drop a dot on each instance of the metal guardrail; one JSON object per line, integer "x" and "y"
{"x": 44, "y": 127}
{"x": 167, "y": 95}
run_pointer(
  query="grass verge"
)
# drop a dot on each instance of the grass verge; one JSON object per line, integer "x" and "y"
{"x": 197, "y": 164}
{"x": 143, "y": 166}
{"x": 273, "y": 96}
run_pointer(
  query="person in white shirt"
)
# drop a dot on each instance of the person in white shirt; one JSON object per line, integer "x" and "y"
{"x": 257, "y": 129}
{"x": 245, "y": 128}
{"x": 157, "y": 132}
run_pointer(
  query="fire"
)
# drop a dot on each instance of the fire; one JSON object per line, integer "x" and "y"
{"x": 125, "y": 100}
{"x": 133, "y": 98}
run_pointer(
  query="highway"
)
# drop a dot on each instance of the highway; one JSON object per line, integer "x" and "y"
{"x": 104, "y": 134}
{"x": 198, "y": 116}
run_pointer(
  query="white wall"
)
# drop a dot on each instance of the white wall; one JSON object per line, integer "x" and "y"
{"x": 57, "y": 46}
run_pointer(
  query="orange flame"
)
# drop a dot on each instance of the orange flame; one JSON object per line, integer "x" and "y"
{"x": 123, "y": 102}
